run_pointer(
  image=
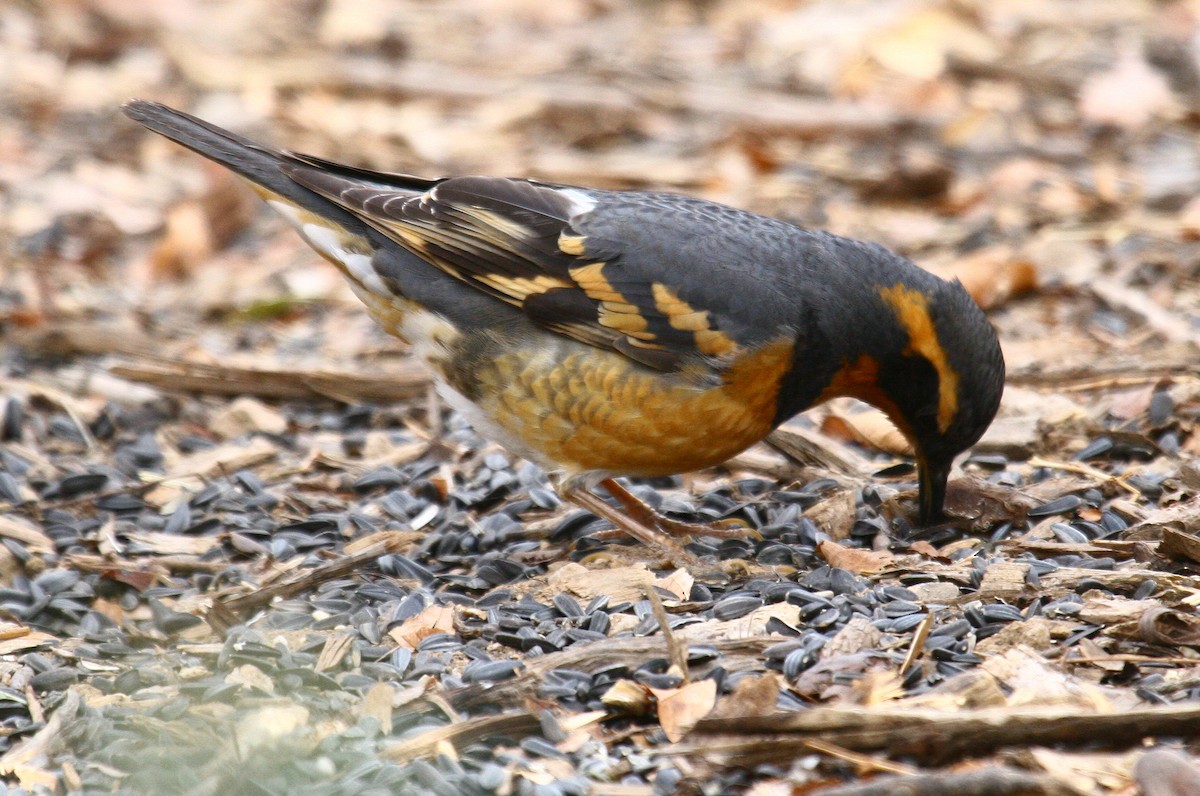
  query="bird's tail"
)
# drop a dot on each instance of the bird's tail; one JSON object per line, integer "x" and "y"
{"x": 260, "y": 165}
{"x": 248, "y": 159}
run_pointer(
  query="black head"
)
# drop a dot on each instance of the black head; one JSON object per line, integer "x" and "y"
{"x": 944, "y": 377}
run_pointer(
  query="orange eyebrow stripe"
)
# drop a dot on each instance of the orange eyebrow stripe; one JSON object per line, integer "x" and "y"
{"x": 912, "y": 310}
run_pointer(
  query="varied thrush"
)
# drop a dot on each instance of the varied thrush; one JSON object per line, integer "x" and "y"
{"x": 606, "y": 333}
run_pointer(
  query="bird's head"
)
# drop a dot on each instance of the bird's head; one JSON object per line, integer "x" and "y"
{"x": 920, "y": 349}
{"x": 943, "y": 376}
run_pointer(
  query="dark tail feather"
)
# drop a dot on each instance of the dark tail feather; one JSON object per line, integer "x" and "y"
{"x": 258, "y": 164}
{"x": 253, "y": 161}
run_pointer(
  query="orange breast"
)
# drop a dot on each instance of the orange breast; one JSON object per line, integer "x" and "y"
{"x": 584, "y": 408}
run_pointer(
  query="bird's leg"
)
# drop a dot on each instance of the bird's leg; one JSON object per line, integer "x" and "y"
{"x": 647, "y": 516}
{"x": 649, "y": 535}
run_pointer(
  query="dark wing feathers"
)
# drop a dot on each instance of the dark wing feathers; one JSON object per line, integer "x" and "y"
{"x": 660, "y": 278}
{"x": 520, "y": 241}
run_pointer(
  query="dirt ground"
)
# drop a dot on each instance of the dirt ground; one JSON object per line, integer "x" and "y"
{"x": 245, "y": 549}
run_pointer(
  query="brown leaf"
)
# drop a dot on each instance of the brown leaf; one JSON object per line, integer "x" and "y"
{"x": 680, "y": 708}
{"x": 1128, "y": 404}
{"x": 138, "y": 579}
{"x": 1177, "y": 544}
{"x": 872, "y": 428}
{"x": 986, "y": 503}
{"x": 337, "y": 646}
{"x": 619, "y": 583}
{"x": 168, "y": 544}
{"x": 859, "y": 635}
{"x": 28, "y": 640}
{"x": 924, "y": 548}
{"x": 835, "y": 514}
{"x": 918, "y": 46}
{"x": 229, "y": 457}
{"x": 994, "y": 275}
{"x": 21, "y": 530}
{"x": 1160, "y": 625}
{"x": 198, "y": 227}
{"x": 247, "y": 415}
{"x": 186, "y": 241}
{"x": 1098, "y": 610}
{"x": 851, "y": 558}
{"x": 1128, "y": 95}
{"x": 433, "y": 619}
{"x": 678, "y": 583}
{"x": 377, "y": 703}
{"x": 628, "y": 698}
{"x": 1082, "y": 772}
{"x": 753, "y": 695}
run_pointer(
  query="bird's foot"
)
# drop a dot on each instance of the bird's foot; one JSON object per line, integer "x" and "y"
{"x": 646, "y": 515}
{"x": 648, "y": 526}
{"x": 661, "y": 543}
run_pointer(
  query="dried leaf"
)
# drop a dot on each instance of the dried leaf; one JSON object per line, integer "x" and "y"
{"x": 872, "y": 428}
{"x": 1177, "y": 544}
{"x": 337, "y": 646}
{"x": 993, "y": 275}
{"x": 28, "y": 640}
{"x": 169, "y": 544}
{"x": 1085, "y": 772}
{"x": 835, "y": 514}
{"x": 377, "y": 703}
{"x": 250, "y": 675}
{"x": 1159, "y": 625}
{"x": 230, "y": 457}
{"x": 753, "y": 695}
{"x": 858, "y": 635}
{"x": 919, "y": 45}
{"x": 432, "y": 619}
{"x": 247, "y": 415}
{"x": 854, "y": 559}
{"x": 138, "y": 579}
{"x": 679, "y": 583}
{"x": 1128, "y": 95}
{"x": 680, "y": 708}
{"x": 261, "y": 727}
{"x": 1113, "y": 610}
{"x": 22, "y": 530}
{"x": 628, "y": 698}
{"x": 618, "y": 583}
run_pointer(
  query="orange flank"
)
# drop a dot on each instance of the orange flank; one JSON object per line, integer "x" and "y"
{"x": 591, "y": 410}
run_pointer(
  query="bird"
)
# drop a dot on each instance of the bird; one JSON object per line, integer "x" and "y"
{"x": 604, "y": 334}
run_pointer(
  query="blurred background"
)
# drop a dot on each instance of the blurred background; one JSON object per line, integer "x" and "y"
{"x": 1029, "y": 147}
{"x": 1042, "y": 151}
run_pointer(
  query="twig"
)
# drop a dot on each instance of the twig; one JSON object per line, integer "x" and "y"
{"x": 1092, "y": 378}
{"x": 676, "y": 650}
{"x": 224, "y": 606}
{"x": 1084, "y": 469}
{"x": 918, "y": 643}
{"x": 462, "y": 734}
{"x": 938, "y": 735}
{"x": 991, "y": 781}
{"x": 1123, "y": 658}
{"x": 864, "y": 763}
{"x": 1045, "y": 81}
